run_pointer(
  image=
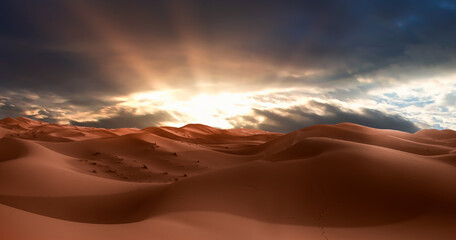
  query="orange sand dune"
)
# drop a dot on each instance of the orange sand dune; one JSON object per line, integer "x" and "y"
{"x": 342, "y": 181}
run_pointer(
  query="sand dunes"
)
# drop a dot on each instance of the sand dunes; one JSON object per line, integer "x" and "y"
{"x": 341, "y": 181}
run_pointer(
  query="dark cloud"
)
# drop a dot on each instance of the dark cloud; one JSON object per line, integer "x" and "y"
{"x": 345, "y": 38}
{"x": 89, "y": 102}
{"x": 125, "y": 119}
{"x": 288, "y": 120}
{"x": 55, "y": 71}
{"x": 8, "y": 109}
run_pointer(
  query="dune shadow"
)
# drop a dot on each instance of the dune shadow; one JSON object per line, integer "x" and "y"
{"x": 11, "y": 148}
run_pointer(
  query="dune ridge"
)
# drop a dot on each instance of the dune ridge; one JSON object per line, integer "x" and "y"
{"x": 342, "y": 181}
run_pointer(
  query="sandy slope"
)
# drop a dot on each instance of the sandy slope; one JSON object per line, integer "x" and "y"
{"x": 341, "y": 181}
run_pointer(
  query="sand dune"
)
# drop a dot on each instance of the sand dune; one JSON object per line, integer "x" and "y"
{"x": 342, "y": 181}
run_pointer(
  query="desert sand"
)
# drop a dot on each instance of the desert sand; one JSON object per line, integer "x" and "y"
{"x": 342, "y": 181}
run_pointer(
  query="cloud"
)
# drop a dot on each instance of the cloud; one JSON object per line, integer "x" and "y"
{"x": 450, "y": 99}
{"x": 125, "y": 119}
{"x": 117, "y": 43}
{"x": 8, "y": 109}
{"x": 313, "y": 113}
{"x": 23, "y": 108}
{"x": 86, "y": 53}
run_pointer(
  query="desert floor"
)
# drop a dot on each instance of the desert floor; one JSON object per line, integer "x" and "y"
{"x": 341, "y": 181}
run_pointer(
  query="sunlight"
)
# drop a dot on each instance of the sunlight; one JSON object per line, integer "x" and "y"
{"x": 212, "y": 109}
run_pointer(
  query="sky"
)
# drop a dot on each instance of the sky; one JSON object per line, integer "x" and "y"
{"x": 273, "y": 65}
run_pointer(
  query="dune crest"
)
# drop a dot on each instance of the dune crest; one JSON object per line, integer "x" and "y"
{"x": 342, "y": 181}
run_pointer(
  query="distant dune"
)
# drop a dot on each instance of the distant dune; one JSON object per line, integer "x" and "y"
{"x": 342, "y": 181}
